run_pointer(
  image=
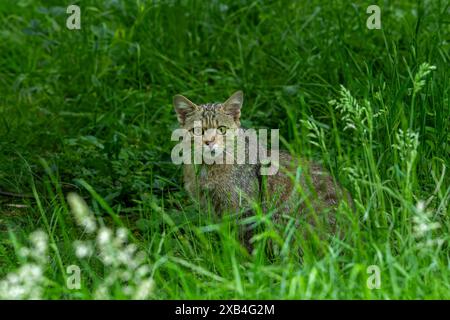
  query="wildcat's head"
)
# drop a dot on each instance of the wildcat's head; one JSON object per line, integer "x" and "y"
{"x": 215, "y": 120}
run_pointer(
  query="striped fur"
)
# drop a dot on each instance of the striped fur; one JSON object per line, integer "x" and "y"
{"x": 233, "y": 187}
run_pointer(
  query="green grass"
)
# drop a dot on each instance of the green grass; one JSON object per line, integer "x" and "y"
{"x": 90, "y": 111}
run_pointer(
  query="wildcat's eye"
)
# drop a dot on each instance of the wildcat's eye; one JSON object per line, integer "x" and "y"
{"x": 222, "y": 129}
{"x": 197, "y": 131}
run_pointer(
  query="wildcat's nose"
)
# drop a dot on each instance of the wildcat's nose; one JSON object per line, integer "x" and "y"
{"x": 210, "y": 141}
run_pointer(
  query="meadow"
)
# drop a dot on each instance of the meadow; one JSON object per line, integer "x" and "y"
{"x": 91, "y": 205}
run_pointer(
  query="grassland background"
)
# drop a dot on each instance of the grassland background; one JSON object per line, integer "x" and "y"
{"x": 94, "y": 105}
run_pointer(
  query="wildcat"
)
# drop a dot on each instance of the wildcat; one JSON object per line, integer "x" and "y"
{"x": 299, "y": 188}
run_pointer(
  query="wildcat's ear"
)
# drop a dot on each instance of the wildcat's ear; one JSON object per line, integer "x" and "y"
{"x": 183, "y": 106}
{"x": 234, "y": 104}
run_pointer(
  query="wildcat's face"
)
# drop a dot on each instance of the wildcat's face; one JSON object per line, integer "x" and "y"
{"x": 213, "y": 122}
